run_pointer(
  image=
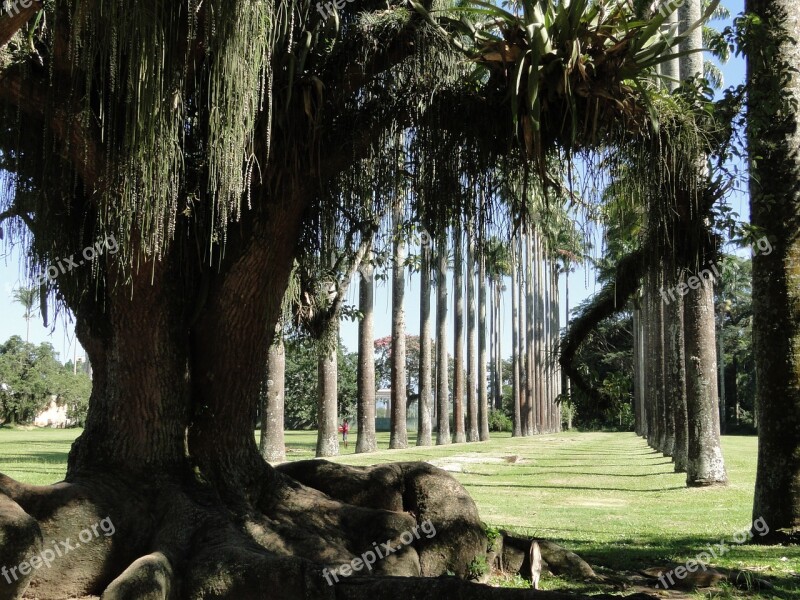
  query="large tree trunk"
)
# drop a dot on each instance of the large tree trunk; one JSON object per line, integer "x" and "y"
{"x": 273, "y": 447}
{"x": 459, "y": 434}
{"x": 424, "y": 424}
{"x": 442, "y": 367}
{"x": 366, "y": 440}
{"x": 774, "y": 137}
{"x": 399, "y": 435}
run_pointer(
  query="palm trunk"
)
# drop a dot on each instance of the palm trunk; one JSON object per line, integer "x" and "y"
{"x": 676, "y": 371}
{"x": 459, "y": 434}
{"x": 555, "y": 327}
{"x": 705, "y": 465}
{"x": 530, "y": 347}
{"x": 721, "y": 369}
{"x": 546, "y": 325}
{"x": 539, "y": 335}
{"x": 669, "y": 384}
{"x": 399, "y": 435}
{"x": 637, "y": 382}
{"x": 442, "y": 391}
{"x": 472, "y": 392}
{"x": 366, "y": 440}
{"x": 483, "y": 355}
{"x": 273, "y": 447}
{"x": 498, "y": 346}
{"x": 424, "y": 424}
{"x": 522, "y": 360}
{"x": 328, "y": 398}
{"x": 515, "y": 356}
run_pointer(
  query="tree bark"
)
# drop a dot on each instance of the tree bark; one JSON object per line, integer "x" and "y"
{"x": 459, "y": 434}
{"x": 530, "y": 348}
{"x": 472, "y": 392}
{"x": 774, "y": 137}
{"x": 483, "y": 383}
{"x": 366, "y": 440}
{"x": 669, "y": 386}
{"x": 399, "y": 435}
{"x": 539, "y": 341}
{"x": 705, "y": 465}
{"x": 424, "y": 425}
{"x": 273, "y": 446}
{"x": 676, "y": 369}
{"x": 516, "y": 390}
{"x": 328, "y": 401}
{"x": 442, "y": 367}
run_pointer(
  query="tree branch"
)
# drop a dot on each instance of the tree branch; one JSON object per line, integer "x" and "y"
{"x": 29, "y": 93}
{"x": 611, "y": 299}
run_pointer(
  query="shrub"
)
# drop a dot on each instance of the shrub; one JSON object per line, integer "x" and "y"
{"x": 499, "y": 421}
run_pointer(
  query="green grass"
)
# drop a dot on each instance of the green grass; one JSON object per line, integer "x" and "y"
{"x": 606, "y": 496}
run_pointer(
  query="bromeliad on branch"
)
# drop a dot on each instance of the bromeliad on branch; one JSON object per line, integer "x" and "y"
{"x": 571, "y": 71}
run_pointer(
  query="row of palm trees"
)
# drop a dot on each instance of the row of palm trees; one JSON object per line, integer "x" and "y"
{"x": 677, "y": 405}
{"x": 458, "y": 410}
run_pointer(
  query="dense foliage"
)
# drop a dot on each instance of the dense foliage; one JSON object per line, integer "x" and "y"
{"x": 301, "y": 383}
{"x": 31, "y": 377}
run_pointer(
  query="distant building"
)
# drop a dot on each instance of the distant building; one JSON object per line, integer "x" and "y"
{"x": 53, "y": 416}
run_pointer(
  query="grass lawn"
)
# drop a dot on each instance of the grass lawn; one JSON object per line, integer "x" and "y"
{"x": 606, "y": 496}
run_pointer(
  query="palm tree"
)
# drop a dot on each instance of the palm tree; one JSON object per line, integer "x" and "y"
{"x": 272, "y": 445}
{"x": 328, "y": 396}
{"x": 530, "y": 346}
{"x": 27, "y": 298}
{"x": 472, "y": 396}
{"x": 705, "y": 464}
{"x": 366, "y": 441}
{"x": 497, "y": 267}
{"x": 483, "y": 383}
{"x": 539, "y": 340}
{"x": 459, "y": 434}
{"x": 516, "y": 392}
{"x": 442, "y": 391}
{"x": 773, "y": 123}
{"x": 399, "y": 436}
{"x": 425, "y": 337}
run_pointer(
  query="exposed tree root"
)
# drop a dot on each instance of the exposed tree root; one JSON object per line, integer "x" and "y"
{"x": 300, "y": 537}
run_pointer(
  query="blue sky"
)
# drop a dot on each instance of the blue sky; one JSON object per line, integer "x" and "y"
{"x": 61, "y": 331}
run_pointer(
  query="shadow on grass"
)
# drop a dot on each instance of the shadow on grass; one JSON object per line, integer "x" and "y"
{"x": 572, "y": 487}
{"x": 52, "y": 458}
{"x": 563, "y": 473}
